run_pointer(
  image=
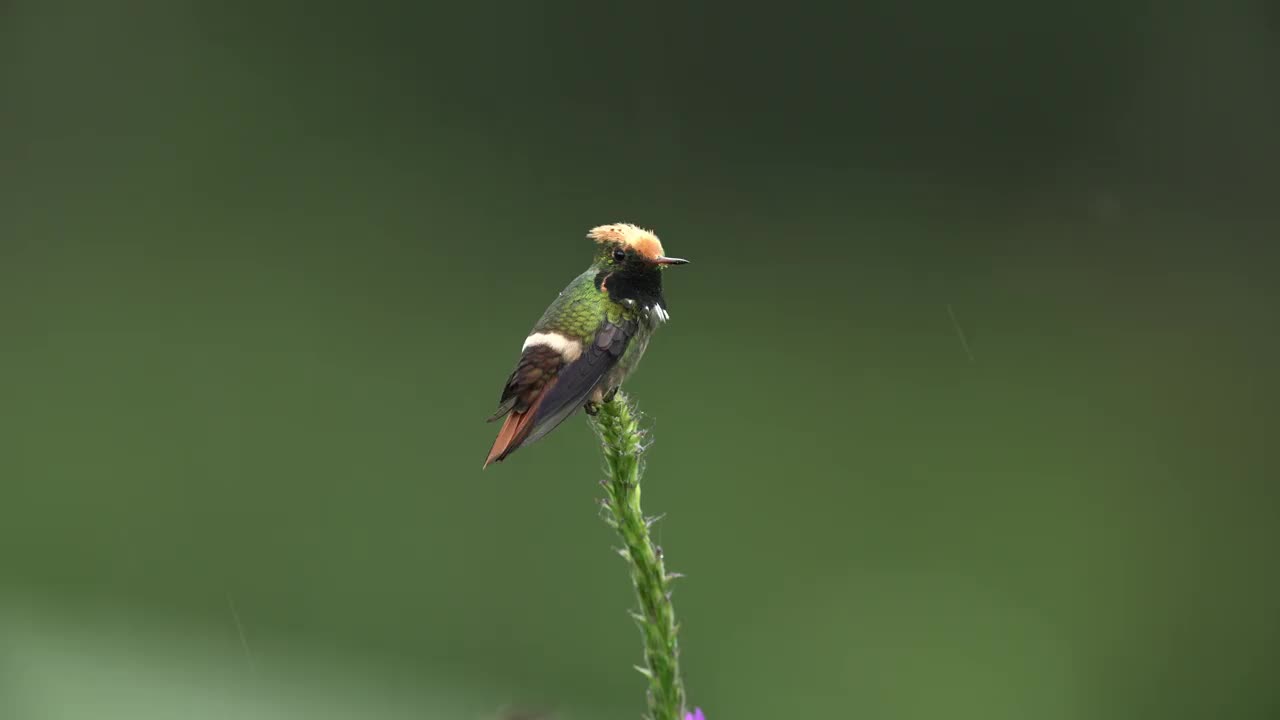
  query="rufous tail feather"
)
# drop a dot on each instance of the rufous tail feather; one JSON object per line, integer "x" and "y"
{"x": 515, "y": 428}
{"x": 507, "y": 440}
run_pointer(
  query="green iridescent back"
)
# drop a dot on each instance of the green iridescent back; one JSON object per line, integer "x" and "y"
{"x": 579, "y": 309}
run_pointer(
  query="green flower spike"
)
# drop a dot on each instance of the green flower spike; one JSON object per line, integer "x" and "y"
{"x": 618, "y": 427}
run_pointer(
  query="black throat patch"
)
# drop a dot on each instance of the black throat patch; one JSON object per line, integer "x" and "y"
{"x": 641, "y": 284}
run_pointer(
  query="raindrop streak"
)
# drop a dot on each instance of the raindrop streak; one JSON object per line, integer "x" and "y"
{"x": 964, "y": 342}
{"x": 244, "y": 642}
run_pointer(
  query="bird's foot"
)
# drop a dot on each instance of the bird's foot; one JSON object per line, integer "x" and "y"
{"x": 591, "y": 408}
{"x": 608, "y": 397}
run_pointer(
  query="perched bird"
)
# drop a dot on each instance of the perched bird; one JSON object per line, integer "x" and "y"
{"x": 588, "y": 340}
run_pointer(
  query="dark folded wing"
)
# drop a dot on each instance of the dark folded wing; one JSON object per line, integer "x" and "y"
{"x": 576, "y": 380}
{"x": 535, "y": 370}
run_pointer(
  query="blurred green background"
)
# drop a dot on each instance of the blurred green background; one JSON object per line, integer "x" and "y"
{"x": 964, "y": 411}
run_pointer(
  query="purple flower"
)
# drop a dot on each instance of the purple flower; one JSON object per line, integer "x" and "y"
{"x": 695, "y": 715}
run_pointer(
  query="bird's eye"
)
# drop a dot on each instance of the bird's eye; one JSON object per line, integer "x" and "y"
{"x": 619, "y": 255}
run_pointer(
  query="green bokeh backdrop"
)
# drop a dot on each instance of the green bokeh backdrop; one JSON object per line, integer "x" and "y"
{"x": 965, "y": 409}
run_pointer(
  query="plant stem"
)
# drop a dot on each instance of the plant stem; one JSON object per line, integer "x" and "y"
{"x": 618, "y": 427}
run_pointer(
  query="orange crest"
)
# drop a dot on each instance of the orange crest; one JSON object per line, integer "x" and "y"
{"x": 642, "y": 241}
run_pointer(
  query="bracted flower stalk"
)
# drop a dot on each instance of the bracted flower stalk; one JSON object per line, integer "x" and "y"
{"x": 619, "y": 430}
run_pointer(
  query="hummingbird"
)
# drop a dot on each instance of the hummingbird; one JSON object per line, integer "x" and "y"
{"x": 589, "y": 340}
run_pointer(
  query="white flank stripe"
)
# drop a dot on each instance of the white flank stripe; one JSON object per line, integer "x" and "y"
{"x": 568, "y": 348}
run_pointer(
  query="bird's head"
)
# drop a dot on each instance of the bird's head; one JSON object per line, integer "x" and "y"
{"x": 625, "y": 248}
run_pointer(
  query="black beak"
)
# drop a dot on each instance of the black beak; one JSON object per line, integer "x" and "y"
{"x": 663, "y": 260}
